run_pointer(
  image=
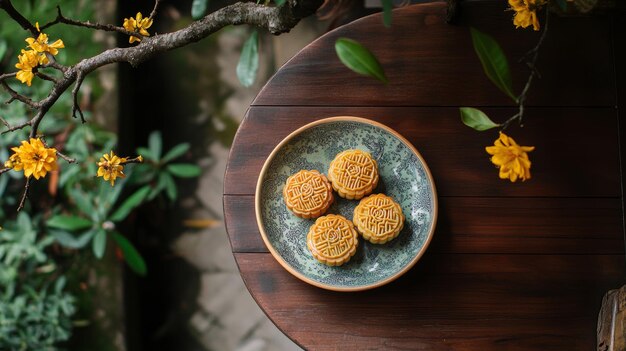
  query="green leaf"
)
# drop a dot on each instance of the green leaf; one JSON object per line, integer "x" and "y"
{"x": 494, "y": 61}
{"x": 169, "y": 185}
{"x": 249, "y": 60}
{"x": 387, "y": 7}
{"x": 175, "y": 152}
{"x": 133, "y": 201}
{"x": 279, "y": 2}
{"x": 83, "y": 202}
{"x": 357, "y": 58}
{"x": 99, "y": 243}
{"x": 184, "y": 170}
{"x": 198, "y": 8}
{"x": 60, "y": 284}
{"x": 3, "y": 49}
{"x": 70, "y": 241}
{"x": 68, "y": 222}
{"x": 155, "y": 143}
{"x": 476, "y": 119}
{"x": 131, "y": 255}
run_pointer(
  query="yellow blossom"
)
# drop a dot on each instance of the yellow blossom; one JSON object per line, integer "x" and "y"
{"x": 137, "y": 24}
{"x": 41, "y": 44}
{"x": 28, "y": 60}
{"x": 111, "y": 167}
{"x": 34, "y": 158}
{"x": 526, "y": 12}
{"x": 14, "y": 161}
{"x": 512, "y": 159}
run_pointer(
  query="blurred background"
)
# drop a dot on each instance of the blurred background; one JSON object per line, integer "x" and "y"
{"x": 144, "y": 265}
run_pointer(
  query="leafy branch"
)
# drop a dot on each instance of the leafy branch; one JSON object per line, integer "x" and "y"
{"x": 496, "y": 67}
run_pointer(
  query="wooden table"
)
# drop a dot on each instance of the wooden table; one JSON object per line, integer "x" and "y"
{"x": 518, "y": 266}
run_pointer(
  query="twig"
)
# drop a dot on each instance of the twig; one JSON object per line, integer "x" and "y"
{"x": 4, "y": 170}
{"x": 46, "y": 77}
{"x": 7, "y": 75}
{"x": 98, "y": 26}
{"x": 66, "y": 158}
{"x": 6, "y": 124}
{"x": 52, "y": 63}
{"x": 24, "y": 195}
{"x": 17, "y": 96}
{"x": 75, "y": 105}
{"x": 137, "y": 159}
{"x": 154, "y": 10}
{"x": 17, "y": 127}
{"x": 531, "y": 63}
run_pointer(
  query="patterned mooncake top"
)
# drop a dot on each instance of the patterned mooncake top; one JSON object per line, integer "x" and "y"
{"x": 378, "y": 218}
{"x": 308, "y": 194}
{"x": 332, "y": 240}
{"x": 353, "y": 174}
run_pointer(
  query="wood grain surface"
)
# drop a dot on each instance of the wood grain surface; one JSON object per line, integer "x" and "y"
{"x": 519, "y": 266}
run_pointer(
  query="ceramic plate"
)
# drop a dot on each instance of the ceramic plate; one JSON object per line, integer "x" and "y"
{"x": 403, "y": 176}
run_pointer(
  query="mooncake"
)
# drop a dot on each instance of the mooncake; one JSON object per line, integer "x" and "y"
{"x": 332, "y": 240}
{"x": 378, "y": 218}
{"x": 308, "y": 194}
{"x": 353, "y": 174}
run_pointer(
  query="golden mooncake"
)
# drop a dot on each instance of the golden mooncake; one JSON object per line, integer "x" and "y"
{"x": 332, "y": 240}
{"x": 308, "y": 194}
{"x": 353, "y": 174}
{"x": 378, "y": 218}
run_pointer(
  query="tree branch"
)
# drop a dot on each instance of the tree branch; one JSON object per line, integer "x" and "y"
{"x": 46, "y": 77}
{"x": 17, "y": 127}
{"x": 66, "y": 158}
{"x": 75, "y": 104}
{"x": 17, "y": 96}
{"x": 277, "y": 20}
{"x": 105, "y": 27}
{"x": 7, "y": 6}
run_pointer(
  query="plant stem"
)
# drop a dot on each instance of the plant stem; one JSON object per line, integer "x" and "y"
{"x": 534, "y": 54}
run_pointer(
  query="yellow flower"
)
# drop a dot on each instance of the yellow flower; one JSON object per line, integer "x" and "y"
{"x": 28, "y": 60}
{"x": 41, "y": 44}
{"x": 14, "y": 161}
{"x": 512, "y": 159}
{"x": 525, "y": 12}
{"x": 137, "y": 24}
{"x": 111, "y": 167}
{"x": 34, "y": 158}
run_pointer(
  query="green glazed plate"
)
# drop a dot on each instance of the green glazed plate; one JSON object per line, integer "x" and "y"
{"x": 403, "y": 176}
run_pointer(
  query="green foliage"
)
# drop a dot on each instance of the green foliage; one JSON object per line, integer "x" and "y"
{"x": 494, "y": 61}
{"x": 35, "y": 309}
{"x": 3, "y": 48}
{"x": 249, "y": 60}
{"x": 131, "y": 255}
{"x": 477, "y": 119}
{"x": 159, "y": 171}
{"x": 81, "y": 212}
{"x": 198, "y": 8}
{"x": 359, "y": 59}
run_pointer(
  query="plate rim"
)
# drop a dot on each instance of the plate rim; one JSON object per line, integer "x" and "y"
{"x": 279, "y": 258}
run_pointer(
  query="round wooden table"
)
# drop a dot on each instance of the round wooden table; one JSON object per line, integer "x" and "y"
{"x": 518, "y": 266}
